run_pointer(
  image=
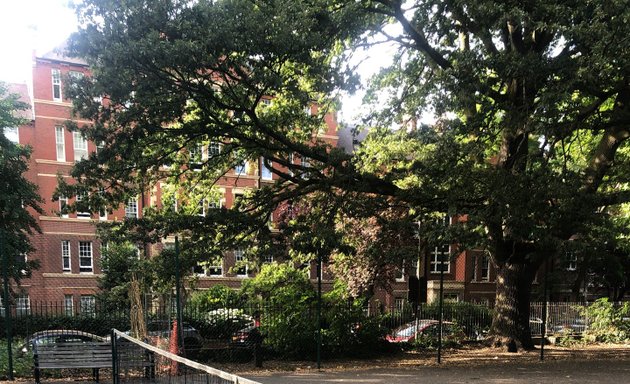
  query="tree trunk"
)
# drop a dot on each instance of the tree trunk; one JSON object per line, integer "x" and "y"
{"x": 510, "y": 324}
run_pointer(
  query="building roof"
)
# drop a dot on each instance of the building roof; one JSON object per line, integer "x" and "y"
{"x": 60, "y": 53}
{"x": 22, "y": 91}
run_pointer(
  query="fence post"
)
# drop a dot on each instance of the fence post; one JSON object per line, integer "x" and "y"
{"x": 115, "y": 377}
{"x": 7, "y": 306}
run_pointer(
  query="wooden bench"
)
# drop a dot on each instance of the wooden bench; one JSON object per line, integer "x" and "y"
{"x": 94, "y": 355}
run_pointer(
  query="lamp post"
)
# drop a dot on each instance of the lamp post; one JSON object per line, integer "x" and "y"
{"x": 319, "y": 310}
{"x": 178, "y": 296}
{"x": 441, "y": 308}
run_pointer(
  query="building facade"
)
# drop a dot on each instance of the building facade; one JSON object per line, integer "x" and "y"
{"x": 69, "y": 251}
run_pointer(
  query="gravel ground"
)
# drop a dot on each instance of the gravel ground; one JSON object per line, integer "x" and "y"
{"x": 586, "y": 365}
{"x": 603, "y": 364}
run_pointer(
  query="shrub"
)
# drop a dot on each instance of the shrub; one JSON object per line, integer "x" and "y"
{"x": 607, "y": 322}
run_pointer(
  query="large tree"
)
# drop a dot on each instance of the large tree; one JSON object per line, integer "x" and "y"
{"x": 19, "y": 197}
{"x": 531, "y": 100}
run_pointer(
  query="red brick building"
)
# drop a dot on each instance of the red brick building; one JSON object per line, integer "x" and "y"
{"x": 69, "y": 251}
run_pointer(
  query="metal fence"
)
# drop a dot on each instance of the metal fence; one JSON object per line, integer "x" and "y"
{"x": 222, "y": 332}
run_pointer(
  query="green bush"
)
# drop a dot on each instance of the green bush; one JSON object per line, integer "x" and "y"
{"x": 22, "y": 363}
{"x": 607, "y": 322}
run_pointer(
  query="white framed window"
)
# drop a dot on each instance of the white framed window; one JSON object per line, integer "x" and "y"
{"x": 400, "y": 273}
{"x": 68, "y": 305}
{"x": 131, "y": 208}
{"x": 63, "y": 203}
{"x": 268, "y": 259}
{"x": 305, "y": 162}
{"x": 22, "y": 304}
{"x": 102, "y": 212}
{"x": 266, "y": 102}
{"x": 82, "y": 215}
{"x": 265, "y": 169}
{"x": 241, "y": 263}
{"x": 199, "y": 270}
{"x": 216, "y": 270}
{"x": 85, "y": 257}
{"x": 66, "y": 265}
{"x": 572, "y": 261}
{"x": 291, "y": 161}
{"x": 196, "y": 156}
{"x": 399, "y": 304}
{"x": 451, "y": 296}
{"x": 215, "y": 203}
{"x": 100, "y": 146}
{"x": 241, "y": 168}
{"x": 56, "y": 84}
{"x": 214, "y": 149}
{"x": 75, "y": 78}
{"x": 440, "y": 259}
{"x": 60, "y": 143}
{"x": 88, "y": 305}
{"x": 80, "y": 146}
{"x": 12, "y": 134}
{"x": 485, "y": 268}
{"x": 201, "y": 208}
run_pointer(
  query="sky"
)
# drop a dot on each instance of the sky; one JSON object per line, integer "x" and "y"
{"x": 27, "y": 25}
{"x": 42, "y": 25}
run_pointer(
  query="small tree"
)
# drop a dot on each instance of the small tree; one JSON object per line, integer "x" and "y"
{"x": 19, "y": 197}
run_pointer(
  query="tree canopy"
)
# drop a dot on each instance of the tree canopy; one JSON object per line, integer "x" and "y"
{"x": 530, "y": 99}
{"x": 18, "y": 196}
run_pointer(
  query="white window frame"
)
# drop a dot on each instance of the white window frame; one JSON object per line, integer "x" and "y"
{"x": 102, "y": 213}
{"x": 241, "y": 168}
{"x": 400, "y": 273}
{"x": 66, "y": 256}
{"x": 131, "y": 208}
{"x": 199, "y": 270}
{"x": 197, "y": 155}
{"x": 86, "y": 253}
{"x": 399, "y": 304}
{"x": 22, "y": 304}
{"x": 56, "y": 84}
{"x": 572, "y": 261}
{"x": 211, "y": 269}
{"x": 444, "y": 252}
{"x": 484, "y": 273}
{"x": 265, "y": 172}
{"x": 201, "y": 208}
{"x": 68, "y": 305}
{"x": 87, "y": 305}
{"x": 80, "y": 146}
{"x": 240, "y": 257}
{"x": 82, "y": 215}
{"x": 214, "y": 149}
{"x": 12, "y": 134}
{"x": 63, "y": 202}
{"x": 60, "y": 143}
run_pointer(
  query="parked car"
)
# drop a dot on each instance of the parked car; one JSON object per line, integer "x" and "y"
{"x": 246, "y": 337}
{"x": 574, "y": 327}
{"x": 191, "y": 341}
{"x": 57, "y": 336}
{"x": 407, "y": 333}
